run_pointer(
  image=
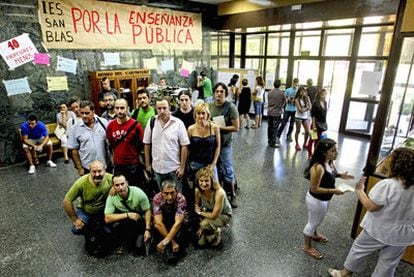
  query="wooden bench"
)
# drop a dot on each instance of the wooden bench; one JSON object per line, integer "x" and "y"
{"x": 51, "y": 127}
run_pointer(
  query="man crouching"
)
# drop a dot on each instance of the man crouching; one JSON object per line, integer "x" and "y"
{"x": 88, "y": 219}
{"x": 169, "y": 208}
{"x": 129, "y": 212}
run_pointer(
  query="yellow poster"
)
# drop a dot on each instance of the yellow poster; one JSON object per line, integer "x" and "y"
{"x": 55, "y": 83}
{"x": 89, "y": 24}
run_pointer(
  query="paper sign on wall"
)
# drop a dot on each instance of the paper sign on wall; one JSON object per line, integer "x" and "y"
{"x": 111, "y": 58}
{"x": 66, "y": 65}
{"x": 184, "y": 72}
{"x": 55, "y": 83}
{"x": 18, "y": 51}
{"x": 17, "y": 86}
{"x": 151, "y": 63}
{"x": 167, "y": 65}
{"x": 370, "y": 82}
{"x": 187, "y": 65}
{"x": 42, "y": 58}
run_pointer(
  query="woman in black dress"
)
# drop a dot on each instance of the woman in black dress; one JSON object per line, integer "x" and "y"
{"x": 244, "y": 103}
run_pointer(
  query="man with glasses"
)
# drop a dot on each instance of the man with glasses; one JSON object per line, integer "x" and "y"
{"x": 225, "y": 114}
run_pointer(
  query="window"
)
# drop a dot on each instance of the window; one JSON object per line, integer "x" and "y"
{"x": 338, "y": 42}
{"x": 305, "y": 69}
{"x": 276, "y": 69}
{"x": 375, "y": 41}
{"x": 307, "y": 43}
{"x": 278, "y": 44}
{"x": 255, "y": 44}
{"x": 368, "y": 79}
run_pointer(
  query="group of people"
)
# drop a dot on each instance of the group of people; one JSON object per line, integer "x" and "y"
{"x": 189, "y": 155}
{"x": 180, "y": 161}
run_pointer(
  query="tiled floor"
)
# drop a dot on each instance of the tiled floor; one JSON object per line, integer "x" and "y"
{"x": 265, "y": 238}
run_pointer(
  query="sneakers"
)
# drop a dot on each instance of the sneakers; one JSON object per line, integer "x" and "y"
{"x": 297, "y": 147}
{"x": 233, "y": 202}
{"x": 50, "y": 164}
{"x": 32, "y": 169}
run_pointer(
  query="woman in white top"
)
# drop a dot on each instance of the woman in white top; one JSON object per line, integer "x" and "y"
{"x": 258, "y": 97}
{"x": 303, "y": 107}
{"x": 62, "y": 119}
{"x": 388, "y": 225}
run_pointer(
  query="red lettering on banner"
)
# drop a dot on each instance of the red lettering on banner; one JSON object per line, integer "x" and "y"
{"x": 162, "y": 35}
{"x": 136, "y": 31}
{"x": 76, "y": 18}
{"x": 151, "y": 18}
{"x": 89, "y": 21}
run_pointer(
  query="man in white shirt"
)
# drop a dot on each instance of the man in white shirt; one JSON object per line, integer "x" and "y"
{"x": 166, "y": 142}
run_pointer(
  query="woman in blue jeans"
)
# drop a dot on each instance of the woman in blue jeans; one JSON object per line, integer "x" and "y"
{"x": 258, "y": 97}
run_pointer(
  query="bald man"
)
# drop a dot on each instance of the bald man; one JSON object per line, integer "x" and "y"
{"x": 125, "y": 136}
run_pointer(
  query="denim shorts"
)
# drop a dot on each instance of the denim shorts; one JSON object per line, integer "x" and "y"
{"x": 258, "y": 107}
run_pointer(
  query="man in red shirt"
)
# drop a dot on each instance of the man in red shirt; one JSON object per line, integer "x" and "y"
{"x": 125, "y": 136}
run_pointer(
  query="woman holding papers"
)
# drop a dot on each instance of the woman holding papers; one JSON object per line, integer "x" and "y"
{"x": 322, "y": 187}
{"x": 388, "y": 225}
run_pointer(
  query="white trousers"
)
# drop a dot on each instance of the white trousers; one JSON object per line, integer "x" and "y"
{"x": 364, "y": 245}
{"x": 317, "y": 210}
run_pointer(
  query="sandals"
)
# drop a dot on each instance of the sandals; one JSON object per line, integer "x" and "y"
{"x": 334, "y": 272}
{"x": 320, "y": 238}
{"x": 313, "y": 253}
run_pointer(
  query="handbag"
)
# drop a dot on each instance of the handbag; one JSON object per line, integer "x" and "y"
{"x": 323, "y": 126}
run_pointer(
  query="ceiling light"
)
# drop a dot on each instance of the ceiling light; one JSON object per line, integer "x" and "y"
{"x": 164, "y": 5}
{"x": 261, "y": 2}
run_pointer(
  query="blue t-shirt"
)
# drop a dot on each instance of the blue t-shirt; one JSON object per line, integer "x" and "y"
{"x": 290, "y": 94}
{"x": 39, "y": 131}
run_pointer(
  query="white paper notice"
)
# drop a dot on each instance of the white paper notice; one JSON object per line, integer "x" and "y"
{"x": 111, "y": 58}
{"x": 345, "y": 187}
{"x": 370, "y": 82}
{"x": 151, "y": 63}
{"x": 17, "y": 86}
{"x": 187, "y": 65}
{"x": 167, "y": 65}
{"x": 18, "y": 51}
{"x": 219, "y": 120}
{"x": 66, "y": 65}
{"x": 56, "y": 83}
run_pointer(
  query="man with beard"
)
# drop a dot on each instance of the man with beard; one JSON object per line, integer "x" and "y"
{"x": 129, "y": 212}
{"x": 109, "y": 99}
{"x": 125, "y": 135}
{"x": 144, "y": 111}
{"x": 169, "y": 208}
{"x": 106, "y": 87}
{"x": 166, "y": 146}
{"x": 185, "y": 113}
{"x": 92, "y": 189}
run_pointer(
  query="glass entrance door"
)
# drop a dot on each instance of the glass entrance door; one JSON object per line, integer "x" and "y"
{"x": 334, "y": 81}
